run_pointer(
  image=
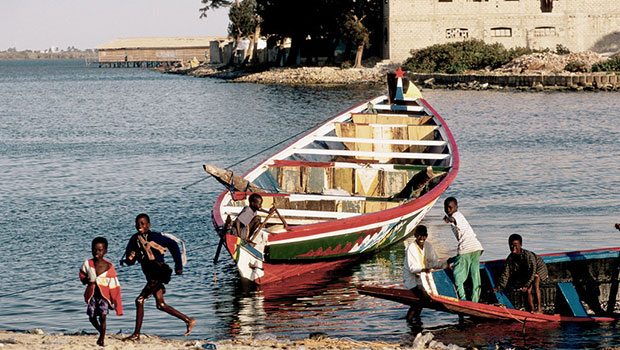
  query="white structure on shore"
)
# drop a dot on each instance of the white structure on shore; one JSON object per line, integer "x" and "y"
{"x": 579, "y": 25}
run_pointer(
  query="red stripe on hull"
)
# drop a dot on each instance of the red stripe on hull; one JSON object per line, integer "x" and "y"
{"x": 278, "y": 272}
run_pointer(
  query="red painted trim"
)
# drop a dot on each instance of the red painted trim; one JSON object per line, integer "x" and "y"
{"x": 469, "y": 307}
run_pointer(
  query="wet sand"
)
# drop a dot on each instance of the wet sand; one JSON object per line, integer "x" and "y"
{"x": 37, "y": 339}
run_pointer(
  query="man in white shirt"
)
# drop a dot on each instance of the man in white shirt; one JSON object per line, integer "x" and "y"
{"x": 469, "y": 249}
{"x": 420, "y": 260}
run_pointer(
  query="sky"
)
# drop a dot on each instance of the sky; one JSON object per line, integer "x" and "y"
{"x": 86, "y": 24}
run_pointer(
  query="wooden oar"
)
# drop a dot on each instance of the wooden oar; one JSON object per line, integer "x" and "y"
{"x": 281, "y": 218}
{"x": 222, "y": 234}
{"x": 262, "y": 225}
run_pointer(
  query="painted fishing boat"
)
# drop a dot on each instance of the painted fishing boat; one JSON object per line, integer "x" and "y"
{"x": 582, "y": 287}
{"x": 359, "y": 182}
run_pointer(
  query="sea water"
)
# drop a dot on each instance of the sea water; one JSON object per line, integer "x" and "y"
{"x": 84, "y": 150}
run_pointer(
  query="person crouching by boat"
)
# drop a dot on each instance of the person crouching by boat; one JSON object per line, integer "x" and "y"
{"x": 467, "y": 261}
{"x": 148, "y": 248}
{"x": 420, "y": 260}
{"x": 103, "y": 291}
{"x": 247, "y": 222}
{"x": 523, "y": 271}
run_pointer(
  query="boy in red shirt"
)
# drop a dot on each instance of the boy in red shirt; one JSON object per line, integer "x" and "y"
{"x": 103, "y": 291}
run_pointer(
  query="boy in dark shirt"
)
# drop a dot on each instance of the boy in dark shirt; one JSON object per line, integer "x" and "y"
{"x": 523, "y": 270}
{"x": 148, "y": 248}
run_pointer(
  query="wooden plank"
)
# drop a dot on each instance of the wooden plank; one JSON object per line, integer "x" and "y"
{"x": 384, "y": 118}
{"x": 316, "y": 180}
{"x": 380, "y": 141}
{"x": 501, "y": 297}
{"x": 398, "y": 155}
{"x": 394, "y": 181}
{"x": 343, "y": 178}
{"x": 367, "y": 182}
{"x": 571, "y": 297}
{"x": 388, "y": 107}
{"x": 295, "y": 213}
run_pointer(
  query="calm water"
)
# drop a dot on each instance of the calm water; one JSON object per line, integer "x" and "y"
{"x": 83, "y": 150}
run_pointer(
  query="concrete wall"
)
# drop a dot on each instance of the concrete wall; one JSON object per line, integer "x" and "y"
{"x": 152, "y": 55}
{"x": 577, "y": 24}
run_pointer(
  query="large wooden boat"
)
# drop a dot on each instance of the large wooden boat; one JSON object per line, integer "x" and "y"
{"x": 582, "y": 287}
{"x": 358, "y": 183}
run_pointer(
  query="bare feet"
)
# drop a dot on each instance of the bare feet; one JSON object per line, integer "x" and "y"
{"x": 132, "y": 337}
{"x": 190, "y": 325}
{"x": 100, "y": 342}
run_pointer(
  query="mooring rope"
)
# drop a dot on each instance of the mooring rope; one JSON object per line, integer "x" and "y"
{"x": 253, "y": 155}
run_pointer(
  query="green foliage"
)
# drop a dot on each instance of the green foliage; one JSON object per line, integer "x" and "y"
{"x": 243, "y": 19}
{"x": 212, "y": 5}
{"x": 561, "y": 49}
{"x": 610, "y": 65}
{"x": 576, "y": 67}
{"x": 355, "y": 31}
{"x": 454, "y": 58}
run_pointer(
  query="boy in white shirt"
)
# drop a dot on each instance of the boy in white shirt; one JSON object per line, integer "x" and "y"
{"x": 469, "y": 249}
{"x": 420, "y": 260}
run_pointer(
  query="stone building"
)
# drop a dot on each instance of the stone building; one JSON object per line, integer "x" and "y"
{"x": 135, "y": 51}
{"x": 578, "y": 25}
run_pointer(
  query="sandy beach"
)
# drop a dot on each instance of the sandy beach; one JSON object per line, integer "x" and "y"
{"x": 38, "y": 339}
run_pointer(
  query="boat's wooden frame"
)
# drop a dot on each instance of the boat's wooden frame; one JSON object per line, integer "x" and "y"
{"x": 325, "y": 229}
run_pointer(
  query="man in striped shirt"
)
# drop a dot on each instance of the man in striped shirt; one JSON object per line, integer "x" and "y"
{"x": 524, "y": 270}
{"x": 467, "y": 261}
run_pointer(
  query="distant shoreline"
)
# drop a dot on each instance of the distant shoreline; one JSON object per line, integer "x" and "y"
{"x": 38, "y": 55}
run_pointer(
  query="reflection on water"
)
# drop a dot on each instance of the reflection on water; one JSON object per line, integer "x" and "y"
{"x": 82, "y": 151}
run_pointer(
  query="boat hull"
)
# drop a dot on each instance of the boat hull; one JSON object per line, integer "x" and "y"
{"x": 564, "y": 269}
{"x": 358, "y": 183}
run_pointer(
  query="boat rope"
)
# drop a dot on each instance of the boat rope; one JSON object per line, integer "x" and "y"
{"x": 510, "y": 314}
{"x": 253, "y": 155}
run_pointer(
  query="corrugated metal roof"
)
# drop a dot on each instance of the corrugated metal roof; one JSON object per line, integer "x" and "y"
{"x": 128, "y": 43}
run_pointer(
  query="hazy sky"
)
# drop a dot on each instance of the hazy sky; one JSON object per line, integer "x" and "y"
{"x": 85, "y": 24}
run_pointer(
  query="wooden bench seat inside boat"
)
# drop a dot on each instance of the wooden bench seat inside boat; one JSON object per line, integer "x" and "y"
{"x": 384, "y": 132}
{"x": 369, "y": 181}
{"x": 390, "y": 118}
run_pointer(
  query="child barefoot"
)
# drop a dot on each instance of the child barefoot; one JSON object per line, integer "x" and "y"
{"x": 102, "y": 288}
{"x": 148, "y": 247}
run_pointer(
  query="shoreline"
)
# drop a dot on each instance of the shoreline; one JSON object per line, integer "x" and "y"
{"x": 535, "y": 81}
{"x": 38, "y": 339}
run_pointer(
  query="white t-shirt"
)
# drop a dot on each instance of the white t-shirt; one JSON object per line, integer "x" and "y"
{"x": 416, "y": 259}
{"x": 465, "y": 235}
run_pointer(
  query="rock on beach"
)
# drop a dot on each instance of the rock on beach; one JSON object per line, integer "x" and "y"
{"x": 39, "y": 340}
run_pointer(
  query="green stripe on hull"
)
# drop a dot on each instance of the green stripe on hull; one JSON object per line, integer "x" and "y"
{"x": 338, "y": 246}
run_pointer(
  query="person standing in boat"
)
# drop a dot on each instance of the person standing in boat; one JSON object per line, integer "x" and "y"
{"x": 523, "y": 271}
{"x": 148, "y": 248}
{"x": 420, "y": 260}
{"x": 466, "y": 264}
{"x": 247, "y": 222}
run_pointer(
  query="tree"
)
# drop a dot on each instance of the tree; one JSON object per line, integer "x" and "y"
{"x": 244, "y": 22}
{"x": 358, "y": 34}
{"x": 212, "y": 5}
